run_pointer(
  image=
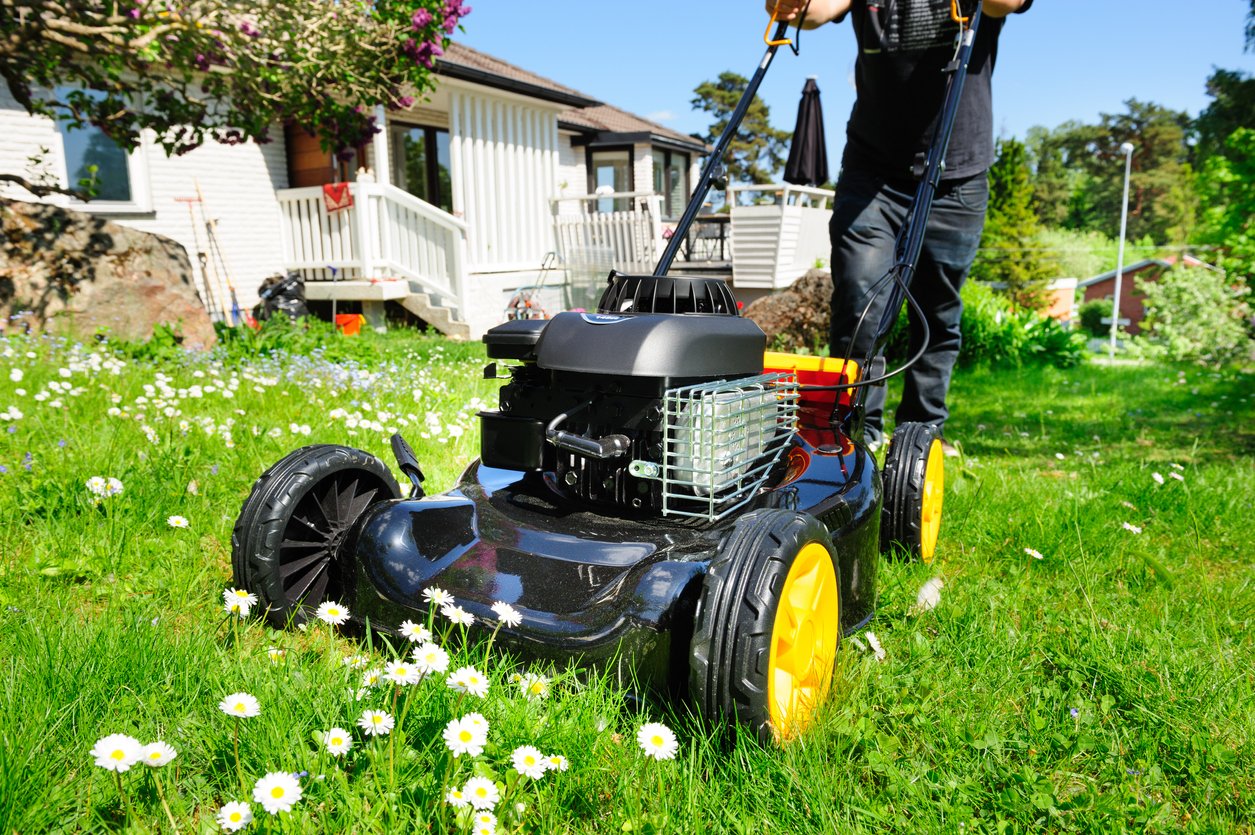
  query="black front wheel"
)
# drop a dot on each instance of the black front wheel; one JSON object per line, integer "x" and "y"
{"x": 767, "y": 625}
{"x": 286, "y": 542}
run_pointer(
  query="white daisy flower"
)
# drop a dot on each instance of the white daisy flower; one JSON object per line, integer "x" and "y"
{"x": 376, "y": 723}
{"x": 929, "y": 595}
{"x": 415, "y": 632}
{"x": 456, "y": 799}
{"x": 113, "y": 487}
{"x": 1157, "y": 477}
{"x": 96, "y": 484}
{"x": 1176, "y": 475}
{"x": 277, "y": 792}
{"x": 556, "y": 762}
{"x": 239, "y": 595}
{"x": 338, "y": 741}
{"x": 874, "y": 643}
{"x": 484, "y": 823}
{"x": 527, "y": 760}
{"x": 438, "y": 596}
{"x": 507, "y": 614}
{"x": 457, "y": 615}
{"x": 331, "y": 612}
{"x": 481, "y": 793}
{"x": 353, "y": 662}
{"x": 431, "y": 659}
{"x": 399, "y": 672}
{"x": 240, "y": 705}
{"x": 477, "y": 721}
{"x": 1131, "y": 528}
{"x": 657, "y": 741}
{"x": 177, "y": 521}
{"x": 235, "y": 816}
{"x": 534, "y": 685}
{"x": 1035, "y": 554}
{"x": 117, "y": 752}
{"x": 462, "y": 737}
{"x": 239, "y": 608}
{"x": 275, "y": 654}
{"x": 157, "y": 754}
{"x": 370, "y": 678}
{"x": 469, "y": 680}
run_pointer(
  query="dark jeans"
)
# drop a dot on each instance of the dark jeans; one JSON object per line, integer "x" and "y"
{"x": 867, "y": 213}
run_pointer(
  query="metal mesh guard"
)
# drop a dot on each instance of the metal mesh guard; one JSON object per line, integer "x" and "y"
{"x": 721, "y": 441}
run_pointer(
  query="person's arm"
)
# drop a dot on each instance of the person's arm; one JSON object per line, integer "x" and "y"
{"x": 1000, "y": 8}
{"x": 818, "y": 13}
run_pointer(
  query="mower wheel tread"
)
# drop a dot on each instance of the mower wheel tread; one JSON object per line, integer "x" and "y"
{"x": 259, "y": 533}
{"x": 730, "y": 650}
{"x": 903, "y": 476}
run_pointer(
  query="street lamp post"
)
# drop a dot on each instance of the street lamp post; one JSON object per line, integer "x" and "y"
{"x": 1127, "y": 150}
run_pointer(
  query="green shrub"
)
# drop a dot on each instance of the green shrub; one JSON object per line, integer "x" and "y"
{"x": 1194, "y": 315}
{"x": 994, "y": 334}
{"x": 1091, "y": 317}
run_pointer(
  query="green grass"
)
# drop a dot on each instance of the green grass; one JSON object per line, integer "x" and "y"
{"x": 1109, "y": 685}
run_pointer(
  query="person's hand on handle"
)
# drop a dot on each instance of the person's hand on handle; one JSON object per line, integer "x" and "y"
{"x": 818, "y": 13}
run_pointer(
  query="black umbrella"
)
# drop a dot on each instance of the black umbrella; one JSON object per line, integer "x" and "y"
{"x": 808, "y": 154}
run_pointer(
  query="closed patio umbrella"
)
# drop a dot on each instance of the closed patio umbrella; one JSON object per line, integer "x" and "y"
{"x": 808, "y": 153}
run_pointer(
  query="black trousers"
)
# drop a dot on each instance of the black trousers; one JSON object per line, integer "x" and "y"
{"x": 867, "y": 213}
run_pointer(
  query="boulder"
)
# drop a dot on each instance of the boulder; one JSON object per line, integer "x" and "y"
{"x": 77, "y": 275}
{"x": 796, "y": 318}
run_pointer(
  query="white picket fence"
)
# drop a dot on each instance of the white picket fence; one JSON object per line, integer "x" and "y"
{"x": 386, "y": 233}
{"x": 630, "y": 239}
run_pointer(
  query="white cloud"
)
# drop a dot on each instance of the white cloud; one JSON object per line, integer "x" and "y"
{"x": 660, "y": 116}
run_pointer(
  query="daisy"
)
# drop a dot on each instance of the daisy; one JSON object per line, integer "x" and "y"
{"x": 239, "y": 608}
{"x": 469, "y": 680}
{"x": 277, "y": 792}
{"x": 157, "y": 754}
{"x": 528, "y": 761}
{"x": 556, "y": 762}
{"x": 462, "y": 737}
{"x": 275, "y": 654}
{"x": 416, "y": 632}
{"x": 534, "y": 686}
{"x": 1131, "y": 528}
{"x": 507, "y": 614}
{"x": 657, "y": 741}
{"x": 355, "y": 661}
{"x": 481, "y": 793}
{"x": 338, "y": 741}
{"x": 235, "y": 816}
{"x": 477, "y": 721}
{"x": 456, "y": 799}
{"x": 370, "y": 678}
{"x": 398, "y": 672}
{"x": 1176, "y": 475}
{"x": 117, "y": 752}
{"x": 1157, "y": 477}
{"x": 177, "y": 521}
{"x": 929, "y": 595}
{"x": 874, "y": 643}
{"x": 332, "y": 613}
{"x": 485, "y": 823}
{"x": 113, "y": 487}
{"x": 240, "y": 705}
{"x": 96, "y": 484}
{"x": 438, "y": 596}
{"x": 457, "y": 615}
{"x": 431, "y": 659}
{"x": 241, "y": 596}
{"x": 1032, "y": 552}
{"x": 376, "y": 723}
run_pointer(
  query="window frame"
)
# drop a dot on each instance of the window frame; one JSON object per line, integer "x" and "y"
{"x": 137, "y": 172}
{"x": 431, "y": 160}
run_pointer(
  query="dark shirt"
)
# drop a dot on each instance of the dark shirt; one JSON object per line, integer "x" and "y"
{"x": 903, "y": 47}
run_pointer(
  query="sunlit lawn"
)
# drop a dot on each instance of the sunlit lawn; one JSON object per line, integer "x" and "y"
{"x": 1108, "y": 684}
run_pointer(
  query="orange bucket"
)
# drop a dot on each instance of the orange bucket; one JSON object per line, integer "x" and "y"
{"x": 350, "y": 324}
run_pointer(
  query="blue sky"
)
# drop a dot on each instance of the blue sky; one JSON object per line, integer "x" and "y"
{"x": 1064, "y": 59}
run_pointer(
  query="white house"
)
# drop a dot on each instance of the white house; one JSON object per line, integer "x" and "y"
{"x": 462, "y": 197}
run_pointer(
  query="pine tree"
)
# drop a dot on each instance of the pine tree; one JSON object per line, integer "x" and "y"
{"x": 758, "y": 151}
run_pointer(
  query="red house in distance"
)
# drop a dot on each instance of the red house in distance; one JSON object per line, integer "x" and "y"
{"x": 1132, "y": 303}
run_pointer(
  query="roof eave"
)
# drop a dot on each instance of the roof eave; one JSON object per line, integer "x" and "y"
{"x": 488, "y": 79}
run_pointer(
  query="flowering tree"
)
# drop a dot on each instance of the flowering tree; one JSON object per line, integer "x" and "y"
{"x": 222, "y": 70}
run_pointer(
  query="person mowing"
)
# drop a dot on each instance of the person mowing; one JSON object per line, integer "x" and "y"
{"x": 903, "y": 48}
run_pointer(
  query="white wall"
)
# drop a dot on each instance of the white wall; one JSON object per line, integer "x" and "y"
{"x": 572, "y": 166}
{"x": 238, "y": 182}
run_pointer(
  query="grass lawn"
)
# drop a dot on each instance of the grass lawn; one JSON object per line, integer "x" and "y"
{"x": 1090, "y": 666}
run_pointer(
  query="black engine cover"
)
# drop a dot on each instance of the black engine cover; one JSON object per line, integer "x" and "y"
{"x": 652, "y": 345}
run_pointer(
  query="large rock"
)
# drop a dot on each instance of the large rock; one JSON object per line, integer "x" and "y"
{"x": 76, "y": 274}
{"x": 797, "y": 318}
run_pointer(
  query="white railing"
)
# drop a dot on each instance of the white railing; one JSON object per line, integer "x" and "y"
{"x": 628, "y": 233}
{"x": 387, "y": 233}
{"x": 779, "y": 235}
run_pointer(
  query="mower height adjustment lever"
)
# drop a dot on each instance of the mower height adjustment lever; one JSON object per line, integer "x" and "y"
{"x": 408, "y": 462}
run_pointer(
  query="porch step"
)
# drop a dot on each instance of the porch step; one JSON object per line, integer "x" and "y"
{"x": 441, "y": 318}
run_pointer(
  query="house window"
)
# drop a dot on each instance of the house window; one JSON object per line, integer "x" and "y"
{"x": 420, "y": 163}
{"x": 671, "y": 180}
{"x": 610, "y": 170}
{"x": 95, "y": 163}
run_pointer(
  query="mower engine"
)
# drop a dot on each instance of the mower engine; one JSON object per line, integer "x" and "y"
{"x": 655, "y": 405}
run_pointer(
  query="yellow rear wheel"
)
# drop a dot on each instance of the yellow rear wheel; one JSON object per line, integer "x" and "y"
{"x": 913, "y": 483}
{"x": 804, "y": 640}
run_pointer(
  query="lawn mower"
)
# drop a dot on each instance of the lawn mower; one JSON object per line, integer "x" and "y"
{"x": 655, "y": 493}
